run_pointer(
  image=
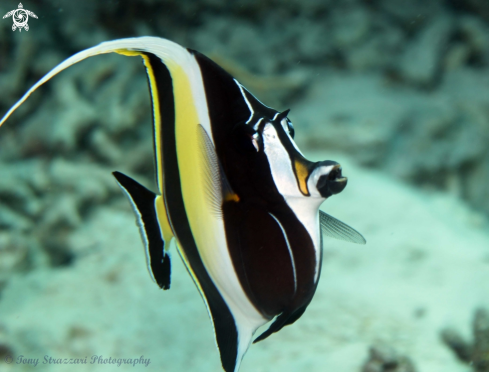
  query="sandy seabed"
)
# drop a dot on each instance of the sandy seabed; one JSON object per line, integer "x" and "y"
{"x": 425, "y": 267}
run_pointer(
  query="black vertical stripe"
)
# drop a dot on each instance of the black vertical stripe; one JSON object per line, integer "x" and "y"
{"x": 155, "y": 153}
{"x": 224, "y": 324}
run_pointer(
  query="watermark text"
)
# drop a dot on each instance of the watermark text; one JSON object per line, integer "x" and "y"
{"x": 94, "y": 359}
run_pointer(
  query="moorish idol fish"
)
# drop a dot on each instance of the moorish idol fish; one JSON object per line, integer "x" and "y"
{"x": 234, "y": 192}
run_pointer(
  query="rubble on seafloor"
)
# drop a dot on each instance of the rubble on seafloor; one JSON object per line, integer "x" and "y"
{"x": 383, "y": 358}
{"x": 475, "y": 353}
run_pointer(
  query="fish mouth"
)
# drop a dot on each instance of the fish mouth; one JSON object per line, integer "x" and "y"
{"x": 332, "y": 183}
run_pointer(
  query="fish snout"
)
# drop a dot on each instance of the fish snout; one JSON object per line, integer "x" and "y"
{"x": 330, "y": 180}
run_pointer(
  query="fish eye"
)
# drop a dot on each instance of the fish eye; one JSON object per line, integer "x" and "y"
{"x": 291, "y": 128}
{"x": 288, "y": 127}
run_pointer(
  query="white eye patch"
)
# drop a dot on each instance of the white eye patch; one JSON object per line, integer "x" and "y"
{"x": 280, "y": 163}
{"x": 285, "y": 125}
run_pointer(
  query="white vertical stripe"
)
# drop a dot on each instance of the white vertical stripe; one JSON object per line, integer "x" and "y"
{"x": 307, "y": 211}
{"x": 246, "y": 100}
{"x": 305, "y": 208}
{"x": 258, "y": 124}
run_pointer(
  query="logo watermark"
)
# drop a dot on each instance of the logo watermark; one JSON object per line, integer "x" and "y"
{"x": 94, "y": 359}
{"x": 20, "y": 17}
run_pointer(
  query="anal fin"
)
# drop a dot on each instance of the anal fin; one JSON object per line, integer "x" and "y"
{"x": 154, "y": 228}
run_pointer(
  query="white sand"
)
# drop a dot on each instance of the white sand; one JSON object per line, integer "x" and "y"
{"x": 425, "y": 266}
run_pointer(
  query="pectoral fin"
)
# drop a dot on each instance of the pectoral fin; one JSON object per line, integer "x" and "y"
{"x": 148, "y": 208}
{"x": 217, "y": 185}
{"x": 334, "y": 228}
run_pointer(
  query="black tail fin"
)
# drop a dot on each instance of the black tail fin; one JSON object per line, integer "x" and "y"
{"x": 143, "y": 203}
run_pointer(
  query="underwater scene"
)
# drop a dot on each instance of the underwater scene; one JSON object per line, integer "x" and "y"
{"x": 161, "y": 209}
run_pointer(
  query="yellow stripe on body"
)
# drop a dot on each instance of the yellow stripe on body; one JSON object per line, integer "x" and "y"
{"x": 160, "y": 207}
{"x": 163, "y": 221}
{"x": 185, "y": 113}
{"x": 183, "y": 104}
{"x": 207, "y": 228}
{"x": 202, "y": 222}
{"x": 156, "y": 111}
{"x": 152, "y": 45}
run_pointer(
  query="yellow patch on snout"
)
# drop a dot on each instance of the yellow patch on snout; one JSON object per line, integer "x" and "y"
{"x": 302, "y": 173}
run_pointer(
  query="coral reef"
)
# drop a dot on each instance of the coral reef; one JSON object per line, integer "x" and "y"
{"x": 435, "y": 51}
{"x": 56, "y": 167}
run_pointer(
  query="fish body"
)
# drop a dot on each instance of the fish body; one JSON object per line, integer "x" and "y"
{"x": 234, "y": 192}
